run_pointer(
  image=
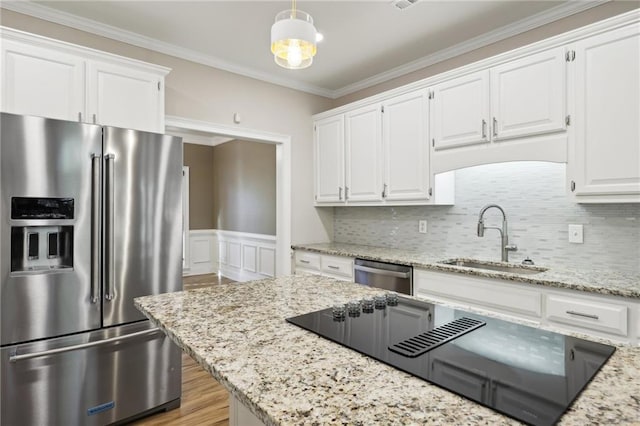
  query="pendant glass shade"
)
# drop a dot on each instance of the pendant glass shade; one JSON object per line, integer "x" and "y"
{"x": 293, "y": 39}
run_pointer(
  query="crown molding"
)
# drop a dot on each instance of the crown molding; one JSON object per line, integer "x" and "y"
{"x": 561, "y": 40}
{"x": 502, "y": 33}
{"x": 129, "y": 37}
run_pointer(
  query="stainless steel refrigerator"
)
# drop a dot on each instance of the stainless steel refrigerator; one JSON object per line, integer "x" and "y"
{"x": 91, "y": 217}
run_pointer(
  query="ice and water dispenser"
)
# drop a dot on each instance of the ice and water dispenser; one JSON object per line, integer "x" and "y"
{"x": 46, "y": 241}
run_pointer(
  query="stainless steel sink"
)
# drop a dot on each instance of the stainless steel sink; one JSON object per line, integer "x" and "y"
{"x": 501, "y": 267}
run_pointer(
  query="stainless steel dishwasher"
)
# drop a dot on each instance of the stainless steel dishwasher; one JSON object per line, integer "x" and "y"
{"x": 389, "y": 276}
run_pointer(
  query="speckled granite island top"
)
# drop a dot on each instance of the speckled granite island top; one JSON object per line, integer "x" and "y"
{"x": 594, "y": 281}
{"x": 286, "y": 375}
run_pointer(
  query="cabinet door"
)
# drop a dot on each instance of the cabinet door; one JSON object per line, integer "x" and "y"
{"x": 42, "y": 82}
{"x": 329, "y": 159}
{"x": 406, "y": 147}
{"x": 460, "y": 111}
{"x": 125, "y": 97}
{"x": 528, "y": 95}
{"x": 363, "y": 143}
{"x": 606, "y": 157}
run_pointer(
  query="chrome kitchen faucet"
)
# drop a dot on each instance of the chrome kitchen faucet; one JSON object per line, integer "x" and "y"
{"x": 505, "y": 247}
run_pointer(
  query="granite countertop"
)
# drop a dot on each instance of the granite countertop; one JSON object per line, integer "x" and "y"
{"x": 288, "y": 376}
{"x": 595, "y": 281}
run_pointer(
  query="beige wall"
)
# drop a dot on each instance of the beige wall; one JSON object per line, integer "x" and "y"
{"x": 199, "y": 158}
{"x": 232, "y": 186}
{"x": 204, "y": 93}
{"x": 244, "y": 190}
{"x": 578, "y": 20}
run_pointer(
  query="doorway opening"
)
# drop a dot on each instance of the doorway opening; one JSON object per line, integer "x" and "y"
{"x": 206, "y": 133}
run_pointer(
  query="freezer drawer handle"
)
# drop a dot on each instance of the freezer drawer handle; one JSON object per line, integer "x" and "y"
{"x": 382, "y": 272}
{"x": 16, "y": 358}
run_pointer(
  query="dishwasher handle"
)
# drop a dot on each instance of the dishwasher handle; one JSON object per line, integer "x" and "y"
{"x": 382, "y": 271}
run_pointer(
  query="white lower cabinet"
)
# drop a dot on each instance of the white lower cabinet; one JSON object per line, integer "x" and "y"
{"x": 338, "y": 267}
{"x": 240, "y": 415}
{"x": 588, "y": 313}
{"x": 611, "y": 317}
{"x": 495, "y": 295}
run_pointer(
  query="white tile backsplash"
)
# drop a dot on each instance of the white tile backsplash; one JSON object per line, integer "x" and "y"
{"x": 533, "y": 194}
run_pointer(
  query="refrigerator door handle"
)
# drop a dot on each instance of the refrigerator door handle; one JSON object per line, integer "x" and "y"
{"x": 95, "y": 226}
{"x": 116, "y": 339}
{"x": 109, "y": 234}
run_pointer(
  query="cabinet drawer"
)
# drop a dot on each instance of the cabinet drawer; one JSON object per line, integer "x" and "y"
{"x": 308, "y": 260}
{"x": 607, "y": 317}
{"x": 342, "y": 266}
{"x": 478, "y": 292}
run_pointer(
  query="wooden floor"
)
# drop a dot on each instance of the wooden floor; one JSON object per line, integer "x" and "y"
{"x": 204, "y": 400}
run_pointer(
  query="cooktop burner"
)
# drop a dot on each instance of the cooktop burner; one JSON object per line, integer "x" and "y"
{"x": 529, "y": 374}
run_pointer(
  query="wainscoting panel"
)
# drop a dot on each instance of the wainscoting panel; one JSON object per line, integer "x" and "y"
{"x": 233, "y": 254}
{"x": 249, "y": 257}
{"x": 236, "y": 255}
{"x": 266, "y": 261}
{"x": 203, "y": 252}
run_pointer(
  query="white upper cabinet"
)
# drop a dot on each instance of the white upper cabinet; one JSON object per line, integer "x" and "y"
{"x": 363, "y": 147}
{"x": 406, "y": 147}
{"x": 124, "y": 97}
{"x": 528, "y": 95}
{"x": 378, "y": 154}
{"x": 329, "y": 159}
{"x": 605, "y": 149}
{"x": 573, "y": 98}
{"x": 53, "y": 79}
{"x": 43, "y": 82}
{"x": 521, "y": 98}
{"x": 460, "y": 111}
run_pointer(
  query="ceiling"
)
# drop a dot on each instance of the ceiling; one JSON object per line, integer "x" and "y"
{"x": 365, "y": 42}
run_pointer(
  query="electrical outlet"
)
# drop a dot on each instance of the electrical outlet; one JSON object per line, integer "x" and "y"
{"x": 576, "y": 234}
{"x": 422, "y": 226}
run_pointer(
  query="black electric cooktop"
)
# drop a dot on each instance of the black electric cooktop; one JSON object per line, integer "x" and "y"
{"x": 529, "y": 374}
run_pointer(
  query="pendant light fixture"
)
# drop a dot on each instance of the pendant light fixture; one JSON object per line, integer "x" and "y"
{"x": 293, "y": 39}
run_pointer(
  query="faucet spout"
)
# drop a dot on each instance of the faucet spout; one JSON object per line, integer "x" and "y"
{"x": 505, "y": 247}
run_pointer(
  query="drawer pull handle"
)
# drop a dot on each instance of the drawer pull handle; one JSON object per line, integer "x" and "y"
{"x": 304, "y": 261}
{"x": 580, "y": 314}
{"x": 333, "y": 267}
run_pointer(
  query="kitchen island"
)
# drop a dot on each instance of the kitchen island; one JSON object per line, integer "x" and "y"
{"x": 286, "y": 375}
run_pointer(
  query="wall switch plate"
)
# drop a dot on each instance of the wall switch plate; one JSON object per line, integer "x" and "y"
{"x": 576, "y": 234}
{"x": 422, "y": 226}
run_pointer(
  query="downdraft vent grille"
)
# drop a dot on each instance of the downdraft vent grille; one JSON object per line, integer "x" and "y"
{"x": 424, "y": 342}
{"x": 403, "y": 4}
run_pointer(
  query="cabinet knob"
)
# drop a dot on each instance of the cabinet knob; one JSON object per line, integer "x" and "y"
{"x": 573, "y": 186}
{"x": 495, "y": 127}
{"x": 484, "y": 128}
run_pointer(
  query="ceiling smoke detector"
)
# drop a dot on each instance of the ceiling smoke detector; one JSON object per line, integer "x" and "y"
{"x": 403, "y": 4}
